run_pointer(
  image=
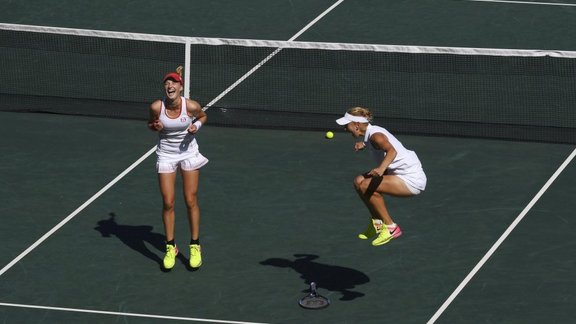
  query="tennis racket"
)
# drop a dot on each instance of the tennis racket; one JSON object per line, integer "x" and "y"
{"x": 313, "y": 300}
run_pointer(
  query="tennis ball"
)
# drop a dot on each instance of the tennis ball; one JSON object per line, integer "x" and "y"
{"x": 329, "y": 134}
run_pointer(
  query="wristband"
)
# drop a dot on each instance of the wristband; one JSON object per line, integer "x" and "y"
{"x": 198, "y": 124}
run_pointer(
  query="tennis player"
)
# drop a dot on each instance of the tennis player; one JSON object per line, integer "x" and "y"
{"x": 177, "y": 120}
{"x": 398, "y": 173}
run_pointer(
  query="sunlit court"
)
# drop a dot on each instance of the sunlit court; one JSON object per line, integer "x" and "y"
{"x": 489, "y": 239}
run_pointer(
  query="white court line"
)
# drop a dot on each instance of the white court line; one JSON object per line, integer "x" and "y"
{"x": 527, "y": 2}
{"x": 502, "y": 238}
{"x": 78, "y": 310}
{"x": 147, "y": 154}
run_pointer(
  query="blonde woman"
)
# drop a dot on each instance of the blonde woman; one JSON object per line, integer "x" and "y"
{"x": 398, "y": 173}
{"x": 177, "y": 120}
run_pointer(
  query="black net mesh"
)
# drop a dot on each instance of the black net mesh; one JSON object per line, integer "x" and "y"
{"x": 82, "y": 75}
{"x": 505, "y": 97}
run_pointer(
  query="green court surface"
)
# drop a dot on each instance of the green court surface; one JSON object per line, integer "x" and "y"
{"x": 278, "y": 212}
{"x": 83, "y": 241}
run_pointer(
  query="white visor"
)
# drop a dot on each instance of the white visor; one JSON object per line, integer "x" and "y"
{"x": 349, "y": 118}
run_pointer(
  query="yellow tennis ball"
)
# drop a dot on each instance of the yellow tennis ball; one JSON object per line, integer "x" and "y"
{"x": 329, "y": 134}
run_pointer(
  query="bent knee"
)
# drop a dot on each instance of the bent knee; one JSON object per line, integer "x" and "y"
{"x": 358, "y": 182}
{"x": 361, "y": 184}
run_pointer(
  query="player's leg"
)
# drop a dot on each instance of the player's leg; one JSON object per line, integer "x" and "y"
{"x": 375, "y": 223}
{"x": 367, "y": 189}
{"x": 394, "y": 186}
{"x": 167, "y": 182}
{"x": 371, "y": 189}
{"x": 190, "y": 182}
{"x": 357, "y": 181}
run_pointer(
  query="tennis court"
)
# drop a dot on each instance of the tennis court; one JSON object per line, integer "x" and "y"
{"x": 489, "y": 241}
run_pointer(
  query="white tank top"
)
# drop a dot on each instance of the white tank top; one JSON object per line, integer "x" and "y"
{"x": 406, "y": 163}
{"x": 174, "y": 140}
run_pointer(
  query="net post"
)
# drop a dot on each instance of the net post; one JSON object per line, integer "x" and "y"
{"x": 187, "y": 78}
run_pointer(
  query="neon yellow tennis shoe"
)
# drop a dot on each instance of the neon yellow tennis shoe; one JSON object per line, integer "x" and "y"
{"x": 170, "y": 257}
{"x": 195, "y": 256}
{"x": 383, "y": 238}
{"x": 374, "y": 228}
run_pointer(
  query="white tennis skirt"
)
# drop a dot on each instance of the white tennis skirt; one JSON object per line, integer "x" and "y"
{"x": 189, "y": 162}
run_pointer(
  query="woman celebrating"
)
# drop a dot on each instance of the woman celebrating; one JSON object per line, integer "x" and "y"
{"x": 177, "y": 148}
{"x": 398, "y": 173}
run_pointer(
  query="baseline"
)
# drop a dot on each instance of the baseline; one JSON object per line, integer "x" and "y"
{"x": 79, "y": 310}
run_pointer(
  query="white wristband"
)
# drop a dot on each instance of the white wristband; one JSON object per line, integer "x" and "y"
{"x": 198, "y": 124}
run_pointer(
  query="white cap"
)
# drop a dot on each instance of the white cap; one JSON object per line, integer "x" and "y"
{"x": 350, "y": 118}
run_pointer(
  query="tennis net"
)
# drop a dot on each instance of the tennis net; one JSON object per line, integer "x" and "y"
{"x": 490, "y": 93}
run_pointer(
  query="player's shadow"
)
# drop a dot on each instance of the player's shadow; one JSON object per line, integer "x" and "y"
{"x": 136, "y": 237}
{"x": 330, "y": 277}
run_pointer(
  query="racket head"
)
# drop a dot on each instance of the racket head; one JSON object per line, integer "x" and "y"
{"x": 314, "y": 301}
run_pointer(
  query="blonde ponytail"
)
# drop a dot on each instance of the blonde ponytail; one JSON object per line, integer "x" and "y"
{"x": 180, "y": 70}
